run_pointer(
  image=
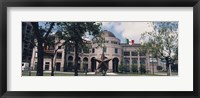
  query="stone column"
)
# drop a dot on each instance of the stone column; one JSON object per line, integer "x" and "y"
{"x": 89, "y": 64}
{"x": 62, "y": 60}
{"x": 138, "y": 62}
{"x": 130, "y": 62}
{"x": 81, "y": 63}
{"x": 110, "y": 64}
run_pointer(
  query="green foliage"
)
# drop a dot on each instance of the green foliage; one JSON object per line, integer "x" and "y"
{"x": 134, "y": 68}
{"x": 75, "y": 33}
{"x": 122, "y": 68}
{"x": 41, "y": 34}
{"x": 142, "y": 69}
{"x": 78, "y": 32}
{"x": 159, "y": 67}
{"x": 162, "y": 41}
{"x": 174, "y": 67}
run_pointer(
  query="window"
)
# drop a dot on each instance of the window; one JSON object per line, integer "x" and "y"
{"x": 71, "y": 49}
{"x": 47, "y": 65}
{"x": 59, "y": 55}
{"x": 106, "y": 41}
{"x": 86, "y": 50}
{"x": 104, "y": 49}
{"x": 35, "y": 54}
{"x": 35, "y": 66}
{"x": 93, "y": 50}
{"x": 126, "y": 61}
{"x": 134, "y": 60}
{"x": 113, "y": 42}
{"x": 29, "y": 27}
{"x": 116, "y": 50}
{"x": 70, "y": 58}
{"x": 134, "y": 53}
{"x": 79, "y": 50}
{"x": 59, "y": 47}
{"x": 142, "y": 60}
{"x": 126, "y": 53}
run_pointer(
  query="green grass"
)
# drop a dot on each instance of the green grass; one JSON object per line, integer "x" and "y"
{"x": 137, "y": 74}
{"x": 33, "y": 73}
{"x": 46, "y": 74}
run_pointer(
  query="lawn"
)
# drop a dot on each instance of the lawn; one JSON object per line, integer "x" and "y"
{"x": 48, "y": 73}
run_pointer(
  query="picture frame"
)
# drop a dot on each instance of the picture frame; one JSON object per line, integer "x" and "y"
{"x": 103, "y": 3}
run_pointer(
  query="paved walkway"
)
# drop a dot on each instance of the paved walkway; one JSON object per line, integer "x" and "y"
{"x": 165, "y": 73}
{"x": 110, "y": 74}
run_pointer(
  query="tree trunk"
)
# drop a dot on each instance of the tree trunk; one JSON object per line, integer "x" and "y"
{"x": 40, "y": 49}
{"x": 169, "y": 73}
{"x": 52, "y": 67}
{"x": 153, "y": 67}
{"x": 53, "y": 60}
{"x": 29, "y": 69}
{"x": 168, "y": 66}
{"x": 65, "y": 59}
{"x": 76, "y": 59}
{"x": 40, "y": 59}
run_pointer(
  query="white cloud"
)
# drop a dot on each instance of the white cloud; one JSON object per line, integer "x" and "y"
{"x": 130, "y": 30}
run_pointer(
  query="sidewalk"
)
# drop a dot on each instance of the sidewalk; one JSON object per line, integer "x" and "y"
{"x": 165, "y": 73}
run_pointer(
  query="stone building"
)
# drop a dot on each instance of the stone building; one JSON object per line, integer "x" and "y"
{"x": 27, "y": 46}
{"x": 119, "y": 53}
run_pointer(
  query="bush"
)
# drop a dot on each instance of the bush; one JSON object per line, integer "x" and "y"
{"x": 159, "y": 67}
{"x": 121, "y": 68}
{"x": 174, "y": 67}
{"x": 142, "y": 69}
{"x": 134, "y": 68}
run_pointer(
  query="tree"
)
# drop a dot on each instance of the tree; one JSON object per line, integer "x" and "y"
{"x": 74, "y": 32}
{"x": 51, "y": 50}
{"x": 162, "y": 42}
{"x": 41, "y": 35}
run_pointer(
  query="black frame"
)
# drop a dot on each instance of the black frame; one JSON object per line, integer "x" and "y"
{"x": 100, "y": 3}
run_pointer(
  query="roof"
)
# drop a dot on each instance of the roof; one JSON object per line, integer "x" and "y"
{"x": 127, "y": 45}
{"x": 106, "y": 33}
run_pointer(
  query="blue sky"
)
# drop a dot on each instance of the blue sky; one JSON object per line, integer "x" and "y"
{"x": 129, "y": 30}
{"x": 123, "y": 30}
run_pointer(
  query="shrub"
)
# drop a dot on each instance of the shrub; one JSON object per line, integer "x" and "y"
{"x": 121, "y": 68}
{"x": 174, "y": 67}
{"x": 134, "y": 68}
{"x": 142, "y": 69}
{"x": 159, "y": 67}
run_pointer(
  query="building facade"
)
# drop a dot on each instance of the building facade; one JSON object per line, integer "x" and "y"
{"x": 27, "y": 46}
{"x": 119, "y": 53}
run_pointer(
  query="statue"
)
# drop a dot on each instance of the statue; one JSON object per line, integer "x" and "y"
{"x": 103, "y": 65}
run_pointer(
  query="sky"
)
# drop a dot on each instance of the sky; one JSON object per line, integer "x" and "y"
{"x": 124, "y": 30}
{"x": 129, "y": 30}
